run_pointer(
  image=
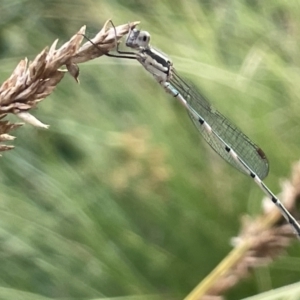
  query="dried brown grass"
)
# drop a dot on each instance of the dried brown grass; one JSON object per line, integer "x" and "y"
{"x": 31, "y": 82}
{"x": 260, "y": 242}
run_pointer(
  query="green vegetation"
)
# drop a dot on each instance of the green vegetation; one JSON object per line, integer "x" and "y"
{"x": 121, "y": 197}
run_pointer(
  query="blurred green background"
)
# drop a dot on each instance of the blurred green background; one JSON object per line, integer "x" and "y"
{"x": 121, "y": 197}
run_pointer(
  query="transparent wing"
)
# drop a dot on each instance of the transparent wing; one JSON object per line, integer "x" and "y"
{"x": 248, "y": 152}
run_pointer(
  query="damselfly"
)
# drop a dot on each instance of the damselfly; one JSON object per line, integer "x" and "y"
{"x": 224, "y": 137}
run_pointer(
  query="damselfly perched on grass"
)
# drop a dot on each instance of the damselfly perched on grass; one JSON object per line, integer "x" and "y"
{"x": 224, "y": 137}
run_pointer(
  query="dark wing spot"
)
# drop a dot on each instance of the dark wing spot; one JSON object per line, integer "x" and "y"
{"x": 261, "y": 153}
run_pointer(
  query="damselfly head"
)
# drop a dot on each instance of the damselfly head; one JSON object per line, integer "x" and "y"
{"x": 138, "y": 39}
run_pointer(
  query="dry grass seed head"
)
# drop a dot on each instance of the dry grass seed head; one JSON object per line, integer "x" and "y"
{"x": 31, "y": 82}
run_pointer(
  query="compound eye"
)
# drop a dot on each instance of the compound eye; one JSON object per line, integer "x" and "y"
{"x": 144, "y": 39}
